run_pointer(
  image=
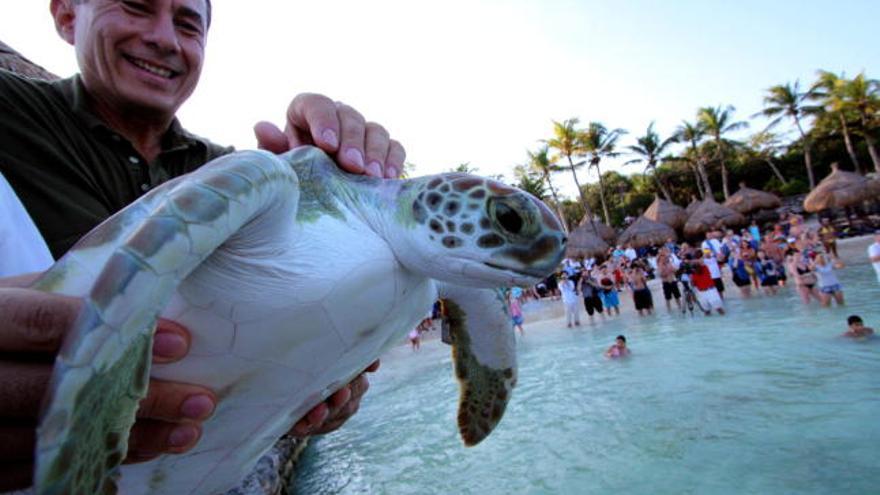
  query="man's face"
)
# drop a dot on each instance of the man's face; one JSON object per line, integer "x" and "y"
{"x": 141, "y": 54}
{"x": 857, "y": 326}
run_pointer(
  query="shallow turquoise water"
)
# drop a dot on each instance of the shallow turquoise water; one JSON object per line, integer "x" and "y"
{"x": 765, "y": 400}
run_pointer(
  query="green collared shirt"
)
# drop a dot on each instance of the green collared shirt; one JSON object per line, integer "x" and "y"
{"x": 68, "y": 168}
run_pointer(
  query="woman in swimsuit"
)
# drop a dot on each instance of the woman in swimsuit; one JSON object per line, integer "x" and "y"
{"x": 804, "y": 277}
{"x": 608, "y": 294}
{"x": 828, "y": 284}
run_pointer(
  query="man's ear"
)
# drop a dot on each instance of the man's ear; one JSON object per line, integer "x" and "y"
{"x": 64, "y": 13}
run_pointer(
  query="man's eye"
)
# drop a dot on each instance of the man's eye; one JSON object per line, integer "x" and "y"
{"x": 138, "y": 7}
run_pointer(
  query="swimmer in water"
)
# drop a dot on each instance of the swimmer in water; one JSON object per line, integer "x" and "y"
{"x": 856, "y": 328}
{"x": 619, "y": 349}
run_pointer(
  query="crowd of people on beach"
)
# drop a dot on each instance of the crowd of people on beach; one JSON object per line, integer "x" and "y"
{"x": 694, "y": 277}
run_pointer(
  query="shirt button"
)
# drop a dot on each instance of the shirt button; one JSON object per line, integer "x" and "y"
{"x": 145, "y": 187}
{"x": 133, "y": 159}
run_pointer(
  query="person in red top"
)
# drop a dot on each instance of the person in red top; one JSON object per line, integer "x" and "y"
{"x": 706, "y": 292}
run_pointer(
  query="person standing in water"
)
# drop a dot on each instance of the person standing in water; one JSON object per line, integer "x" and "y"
{"x": 570, "y": 301}
{"x": 874, "y": 253}
{"x": 829, "y": 285}
{"x": 642, "y": 299}
{"x": 667, "y": 271}
{"x": 514, "y": 304}
{"x": 590, "y": 290}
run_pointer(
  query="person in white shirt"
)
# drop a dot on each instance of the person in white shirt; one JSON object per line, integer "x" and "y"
{"x": 874, "y": 253}
{"x": 714, "y": 270}
{"x": 630, "y": 253}
{"x": 712, "y": 243}
{"x": 570, "y": 301}
{"x": 22, "y": 248}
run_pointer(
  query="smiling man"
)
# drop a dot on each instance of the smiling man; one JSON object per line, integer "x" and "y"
{"x": 77, "y": 150}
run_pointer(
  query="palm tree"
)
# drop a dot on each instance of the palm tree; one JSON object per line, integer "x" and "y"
{"x": 830, "y": 90}
{"x": 717, "y": 122}
{"x": 764, "y": 144}
{"x": 540, "y": 163}
{"x": 786, "y": 100}
{"x": 692, "y": 134}
{"x": 599, "y": 143}
{"x": 568, "y": 142}
{"x": 863, "y": 96}
{"x": 530, "y": 181}
{"x": 649, "y": 148}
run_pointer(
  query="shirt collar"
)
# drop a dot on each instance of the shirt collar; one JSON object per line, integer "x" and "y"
{"x": 74, "y": 93}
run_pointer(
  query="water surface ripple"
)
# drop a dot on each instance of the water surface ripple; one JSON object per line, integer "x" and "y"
{"x": 766, "y": 400}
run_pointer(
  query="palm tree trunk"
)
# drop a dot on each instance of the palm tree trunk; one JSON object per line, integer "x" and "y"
{"x": 698, "y": 180}
{"x": 872, "y": 145}
{"x": 707, "y": 187}
{"x": 808, "y": 156}
{"x": 724, "y": 180}
{"x": 776, "y": 171}
{"x": 847, "y": 140}
{"x": 662, "y": 187}
{"x": 602, "y": 195}
{"x": 559, "y": 210}
{"x": 586, "y": 205}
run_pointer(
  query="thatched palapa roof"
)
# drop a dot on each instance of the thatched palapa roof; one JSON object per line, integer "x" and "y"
{"x": 646, "y": 232}
{"x": 747, "y": 200}
{"x": 666, "y": 213}
{"x": 605, "y": 232}
{"x": 692, "y": 206}
{"x": 13, "y": 61}
{"x": 839, "y": 190}
{"x": 583, "y": 242}
{"x": 711, "y": 215}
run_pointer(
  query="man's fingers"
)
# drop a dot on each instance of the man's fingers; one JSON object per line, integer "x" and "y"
{"x": 170, "y": 342}
{"x": 17, "y": 442}
{"x": 316, "y": 116}
{"x": 351, "y": 147}
{"x": 373, "y": 367}
{"x": 16, "y": 475}
{"x": 150, "y": 438}
{"x": 394, "y": 160}
{"x": 22, "y": 386}
{"x": 172, "y": 401}
{"x": 35, "y": 321}
{"x": 376, "y": 142}
{"x": 270, "y": 138}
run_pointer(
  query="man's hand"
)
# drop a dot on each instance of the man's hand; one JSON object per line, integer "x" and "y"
{"x": 31, "y": 331}
{"x": 358, "y": 146}
{"x": 333, "y": 412}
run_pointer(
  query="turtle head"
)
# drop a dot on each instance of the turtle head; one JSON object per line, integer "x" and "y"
{"x": 480, "y": 232}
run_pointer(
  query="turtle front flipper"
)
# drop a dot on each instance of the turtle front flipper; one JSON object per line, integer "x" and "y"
{"x": 141, "y": 255}
{"x": 484, "y": 357}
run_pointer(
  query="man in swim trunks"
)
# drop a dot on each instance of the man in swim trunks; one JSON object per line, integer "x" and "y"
{"x": 856, "y": 328}
{"x": 667, "y": 270}
{"x": 589, "y": 288}
{"x": 642, "y": 298}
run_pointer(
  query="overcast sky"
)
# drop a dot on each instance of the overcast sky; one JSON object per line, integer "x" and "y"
{"x": 480, "y": 81}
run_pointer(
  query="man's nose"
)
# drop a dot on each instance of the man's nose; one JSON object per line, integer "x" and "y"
{"x": 162, "y": 34}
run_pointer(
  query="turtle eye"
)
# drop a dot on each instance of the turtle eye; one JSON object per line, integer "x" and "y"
{"x": 508, "y": 218}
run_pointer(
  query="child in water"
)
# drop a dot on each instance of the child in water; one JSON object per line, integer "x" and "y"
{"x": 618, "y": 349}
{"x": 856, "y": 328}
{"x": 515, "y": 306}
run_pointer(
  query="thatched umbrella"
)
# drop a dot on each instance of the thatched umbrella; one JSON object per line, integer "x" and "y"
{"x": 839, "y": 190}
{"x": 605, "y": 232}
{"x": 692, "y": 206}
{"x": 646, "y": 232}
{"x": 667, "y": 213}
{"x": 583, "y": 242}
{"x": 711, "y": 215}
{"x": 13, "y": 61}
{"x": 747, "y": 200}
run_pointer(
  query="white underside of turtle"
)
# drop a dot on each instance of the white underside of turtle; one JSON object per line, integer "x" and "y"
{"x": 292, "y": 278}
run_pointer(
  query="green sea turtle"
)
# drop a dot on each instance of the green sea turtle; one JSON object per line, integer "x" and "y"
{"x": 292, "y": 277}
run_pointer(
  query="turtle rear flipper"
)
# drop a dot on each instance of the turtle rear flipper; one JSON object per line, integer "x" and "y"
{"x": 103, "y": 368}
{"x": 484, "y": 357}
